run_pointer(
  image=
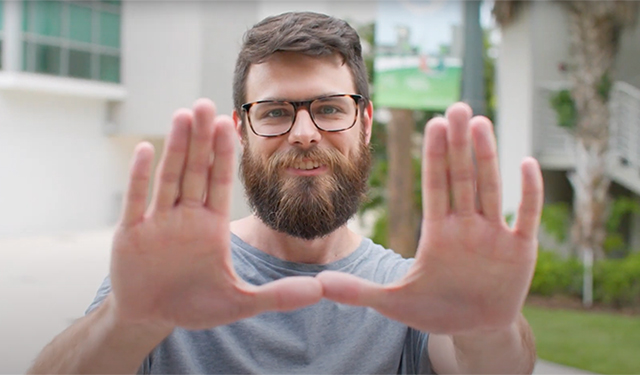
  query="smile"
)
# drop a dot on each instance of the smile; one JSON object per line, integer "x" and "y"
{"x": 306, "y": 165}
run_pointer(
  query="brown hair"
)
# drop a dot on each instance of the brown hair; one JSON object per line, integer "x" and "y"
{"x": 308, "y": 33}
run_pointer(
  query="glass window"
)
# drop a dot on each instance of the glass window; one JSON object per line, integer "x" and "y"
{"x": 79, "y": 39}
{"x": 26, "y": 10}
{"x": 110, "y": 29}
{"x": 1, "y": 24}
{"x": 80, "y": 25}
{"x": 110, "y": 68}
{"x": 80, "y": 64}
{"x": 47, "y": 59}
{"x": 26, "y": 56}
{"x": 48, "y": 18}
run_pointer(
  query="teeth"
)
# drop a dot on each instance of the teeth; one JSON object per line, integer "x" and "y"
{"x": 306, "y": 165}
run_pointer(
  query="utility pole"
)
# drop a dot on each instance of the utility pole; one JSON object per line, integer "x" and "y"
{"x": 473, "y": 90}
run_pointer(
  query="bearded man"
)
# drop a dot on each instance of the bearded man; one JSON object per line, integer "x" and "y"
{"x": 290, "y": 289}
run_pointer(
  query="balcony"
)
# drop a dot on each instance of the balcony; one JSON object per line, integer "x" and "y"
{"x": 554, "y": 146}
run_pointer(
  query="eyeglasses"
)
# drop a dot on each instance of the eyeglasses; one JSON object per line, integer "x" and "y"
{"x": 332, "y": 113}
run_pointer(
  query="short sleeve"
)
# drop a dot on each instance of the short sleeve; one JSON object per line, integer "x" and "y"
{"x": 101, "y": 294}
{"x": 415, "y": 356}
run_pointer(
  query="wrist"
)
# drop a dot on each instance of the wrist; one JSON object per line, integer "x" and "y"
{"x": 143, "y": 333}
{"x": 508, "y": 349}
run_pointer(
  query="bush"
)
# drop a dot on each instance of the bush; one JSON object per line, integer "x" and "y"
{"x": 617, "y": 281}
{"x": 554, "y": 275}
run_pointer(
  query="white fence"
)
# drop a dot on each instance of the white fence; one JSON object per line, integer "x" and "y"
{"x": 553, "y": 141}
{"x": 625, "y": 124}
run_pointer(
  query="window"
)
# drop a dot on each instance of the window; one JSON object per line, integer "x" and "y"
{"x": 79, "y": 39}
{"x": 1, "y": 24}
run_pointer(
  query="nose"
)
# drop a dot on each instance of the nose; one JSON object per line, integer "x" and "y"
{"x": 304, "y": 132}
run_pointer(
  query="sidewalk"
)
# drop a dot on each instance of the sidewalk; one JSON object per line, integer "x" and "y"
{"x": 47, "y": 282}
{"x": 544, "y": 367}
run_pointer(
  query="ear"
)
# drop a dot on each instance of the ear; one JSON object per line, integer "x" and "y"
{"x": 237, "y": 123}
{"x": 367, "y": 121}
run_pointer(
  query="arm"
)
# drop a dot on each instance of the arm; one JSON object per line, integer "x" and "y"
{"x": 472, "y": 271}
{"x": 99, "y": 343}
{"x": 171, "y": 262}
{"x": 502, "y": 351}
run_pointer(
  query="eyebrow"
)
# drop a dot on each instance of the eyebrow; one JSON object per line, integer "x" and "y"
{"x": 282, "y": 99}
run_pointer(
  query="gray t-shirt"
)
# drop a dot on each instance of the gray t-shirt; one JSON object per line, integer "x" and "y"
{"x": 325, "y": 338}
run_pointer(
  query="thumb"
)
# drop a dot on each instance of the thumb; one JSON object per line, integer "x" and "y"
{"x": 289, "y": 293}
{"x": 352, "y": 290}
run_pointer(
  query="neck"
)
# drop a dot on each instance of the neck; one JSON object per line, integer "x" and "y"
{"x": 337, "y": 245}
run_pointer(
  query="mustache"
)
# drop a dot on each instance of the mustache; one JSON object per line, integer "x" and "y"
{"x": 328, "y": 157}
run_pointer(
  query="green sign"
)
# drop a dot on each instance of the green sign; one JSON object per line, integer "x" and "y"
{"x": 418, "y": 62}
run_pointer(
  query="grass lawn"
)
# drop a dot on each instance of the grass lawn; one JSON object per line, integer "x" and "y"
{"x": 598, "y": 342}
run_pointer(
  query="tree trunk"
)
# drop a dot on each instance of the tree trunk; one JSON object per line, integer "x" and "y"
{"x": 593, "y": 37}
{"x": 402, "y": 220}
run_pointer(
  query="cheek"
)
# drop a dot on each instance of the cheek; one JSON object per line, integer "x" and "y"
{"x": 262, "y": 148}
{"x": 348, "y": 145}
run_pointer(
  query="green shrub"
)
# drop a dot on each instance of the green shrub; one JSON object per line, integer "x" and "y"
{"x": 555, "y": 275}
{"x": 380, "y": 231}
{"x": 617, "y": 281}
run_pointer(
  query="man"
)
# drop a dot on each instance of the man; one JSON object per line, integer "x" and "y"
{"x": 290, "y": 289}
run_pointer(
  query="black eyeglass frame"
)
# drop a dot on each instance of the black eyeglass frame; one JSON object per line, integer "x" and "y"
{"x": 302, "y": 104}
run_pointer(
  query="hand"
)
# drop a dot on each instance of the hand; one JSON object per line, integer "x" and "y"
{"x": 471, "y": 270}
{"x": 171, "y": 265}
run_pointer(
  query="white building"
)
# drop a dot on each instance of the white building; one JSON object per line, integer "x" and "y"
{"x": 82, "y": 82}
{"x": 531, "y": 51}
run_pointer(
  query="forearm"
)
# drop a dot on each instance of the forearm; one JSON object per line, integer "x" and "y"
{"x": 511, "y": 350}
{"x": 98, "y": 343}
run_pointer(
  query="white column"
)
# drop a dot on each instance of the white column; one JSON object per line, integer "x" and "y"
{"x": 12, "y": 36}
{"x": 515, "y": 106}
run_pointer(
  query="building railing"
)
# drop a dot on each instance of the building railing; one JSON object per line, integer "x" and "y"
{"x": 625, "y": 124}
{"x": 553, "y": 142}
{"x": 550, "y": 139}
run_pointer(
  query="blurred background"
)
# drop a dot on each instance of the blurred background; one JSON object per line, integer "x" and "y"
{"x": 82, "y": 82}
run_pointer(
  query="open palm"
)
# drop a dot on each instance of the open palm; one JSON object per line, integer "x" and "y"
{"x": 171, "y": 262}
{"x": 471, "y": 270}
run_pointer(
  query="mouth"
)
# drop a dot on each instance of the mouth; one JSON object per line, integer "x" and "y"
{"x": 307, "y": 168}
{"x": 306, "y": 165}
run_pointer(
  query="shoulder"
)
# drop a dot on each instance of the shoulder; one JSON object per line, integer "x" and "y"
{"x": 389, "y": 266}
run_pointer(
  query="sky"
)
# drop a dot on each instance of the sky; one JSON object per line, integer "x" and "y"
{"x": 430, "y": 21}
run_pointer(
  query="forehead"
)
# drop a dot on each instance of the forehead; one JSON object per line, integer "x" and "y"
{"x": 294, "y": 76}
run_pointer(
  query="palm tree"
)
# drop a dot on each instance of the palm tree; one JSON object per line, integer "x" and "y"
{"x": 594, "y": 29}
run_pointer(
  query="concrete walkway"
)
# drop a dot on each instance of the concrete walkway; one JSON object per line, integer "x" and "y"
{"x": 544, "y": 367}
{"x": 46, "y": 283}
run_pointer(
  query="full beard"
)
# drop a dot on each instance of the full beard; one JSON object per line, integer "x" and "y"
{"x": 306, "y": 207}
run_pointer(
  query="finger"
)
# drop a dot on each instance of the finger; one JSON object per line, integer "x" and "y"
{"x": 196, "y": 171}
{"x": 352, "y": 290}
{"x": 488, "y": 172}
{"x": 435, "y": 185}
{"x": 222, "y": 169}
{"x": 285, "y": 294}
{"x": 528, "y": 219}
{"x": 461, "y": 167}
{"x": 169, "y": 171}
{"x": 137, "y": 191}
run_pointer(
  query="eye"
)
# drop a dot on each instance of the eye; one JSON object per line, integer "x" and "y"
{"x": 269, "y": 111}
{"x": 275, "y": 113}
{"x": 327, "y": 110}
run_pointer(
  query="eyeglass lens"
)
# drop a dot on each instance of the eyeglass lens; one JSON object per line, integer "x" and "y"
{"x": 331, "y": 114}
